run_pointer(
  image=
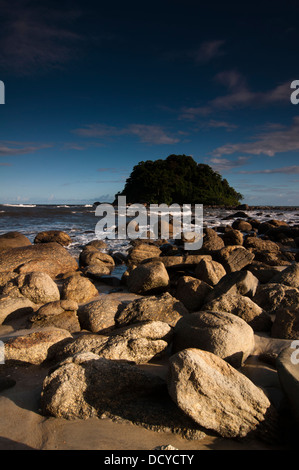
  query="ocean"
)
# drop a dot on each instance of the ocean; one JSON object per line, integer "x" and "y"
{"x": 79, "y": 221}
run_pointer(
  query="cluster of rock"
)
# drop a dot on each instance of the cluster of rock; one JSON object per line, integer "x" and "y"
{"x": 199, "y": 312}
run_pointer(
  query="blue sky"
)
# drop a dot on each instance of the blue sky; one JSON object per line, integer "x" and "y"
{"x": 93, "y": 88}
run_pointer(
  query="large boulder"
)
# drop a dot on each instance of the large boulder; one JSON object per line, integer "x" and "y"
{"x": 164, "y": 308}
{"x": 141, "y": 252}
{"x": 289, "y": 276}
{"x": 242, "y": 225}
{"x": 234, "y": 258}
{"x": 13, "y": 240}
{"x": 38, "y": 287}
{"x": 98, "y": 316}
{"x": 192, "y": 292}
{"x": 148, "y": 278}
{"x": 78, "y": 288}
{"x": 91, "y": 256}
{"x": 59, "y": 314}
{"x": 138, "y": 343}
{"x": 209, "y": 271}
{"x": 211, "y": 241}
{"x": 50, "y": 258}
{"x": 15, "y": 306}
{"x": 221, "y": 333}
{"x": 274, "y": 296}
{"x": 263, "y": 271}
{"x": 244, "y": 308}
{"x": 87, "y": 386}
{"x": 257, "y": 244}
{"x": 57, "y": 236}
{"x": 218, "y": 397}
{"x": 286, "y": 322}
{"x": 34, "y": 347}
{"x": 267, "y": 251}
{"x": 242, "y": 282}
{"x": 232, "y": 237}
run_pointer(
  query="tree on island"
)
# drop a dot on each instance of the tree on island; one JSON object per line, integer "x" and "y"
{"x": 178, "y": 179}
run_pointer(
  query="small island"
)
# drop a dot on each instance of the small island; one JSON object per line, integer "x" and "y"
{"x": 178, "y": 179}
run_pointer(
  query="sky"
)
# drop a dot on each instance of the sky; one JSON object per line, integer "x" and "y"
{"x": 93, "y": 87}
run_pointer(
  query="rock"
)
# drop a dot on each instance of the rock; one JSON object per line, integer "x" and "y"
{"x": 286, "y": 324}
{"x": 65, "y": 320}
{"x": 96, "y": 271}
{"x": 242, "y": 225}
{"x": 141, "y": 252}
{"x": 6, "y": 277}
{"x": 288, "y": 374}
{"x": 232, "y": 237}
{"x": 17, "y": 306}
{"x": 88, "y": 386}
{"x": 38, "y": 287}
{"x": 263, "y": 271}
{"x": 273, "y": 296}
{"x": 138, "y": 343}
{"x": 218, "y": 397}
{"x": 98, "y": 316}
{"x": 209, "y": 271}
{"x": 92, "y": 256}
{"x": 234, "y": 258}
{"x": 242, "y": 282}
{"x": 181, "y": 262}
{"x": 34, "y": 347}
{"x": 59, "y": 314}
{"x": 244, "y": 207}
{"x": 78, "y": 288}
{"x": 211, "y": 241}
{"x": 274, "y": 259}
{"x": 244, "y": 308}
{"x": 13, "y": 240}
{"x": 148, "y": 278}
{"x": 50, "y": 258}
{"x": 258, "y": 244}
{"x": 288, "y": 277}
{"x": 192, "y": 292}
{"x": 164, "y": 308}
{"x": 57, "y": 307}
{"x": 57, "y": 236}
{"x": 98, "y": 244}
{"x": 266, "y": 227}
{"x": 221, "y": 333}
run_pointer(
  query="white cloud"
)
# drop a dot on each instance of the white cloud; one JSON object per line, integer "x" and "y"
{"x": 208, "y": 50}
{"x": 223, "y": 164}
{"x": 239, "y": 96}
{"x": 12, "y": 148}
{"x": 267, "y": 143}
{"x": 150, "y": 134}
{"x": 287, "y": 170}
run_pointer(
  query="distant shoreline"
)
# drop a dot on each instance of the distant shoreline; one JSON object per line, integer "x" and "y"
{"x": 205, "y": 206}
